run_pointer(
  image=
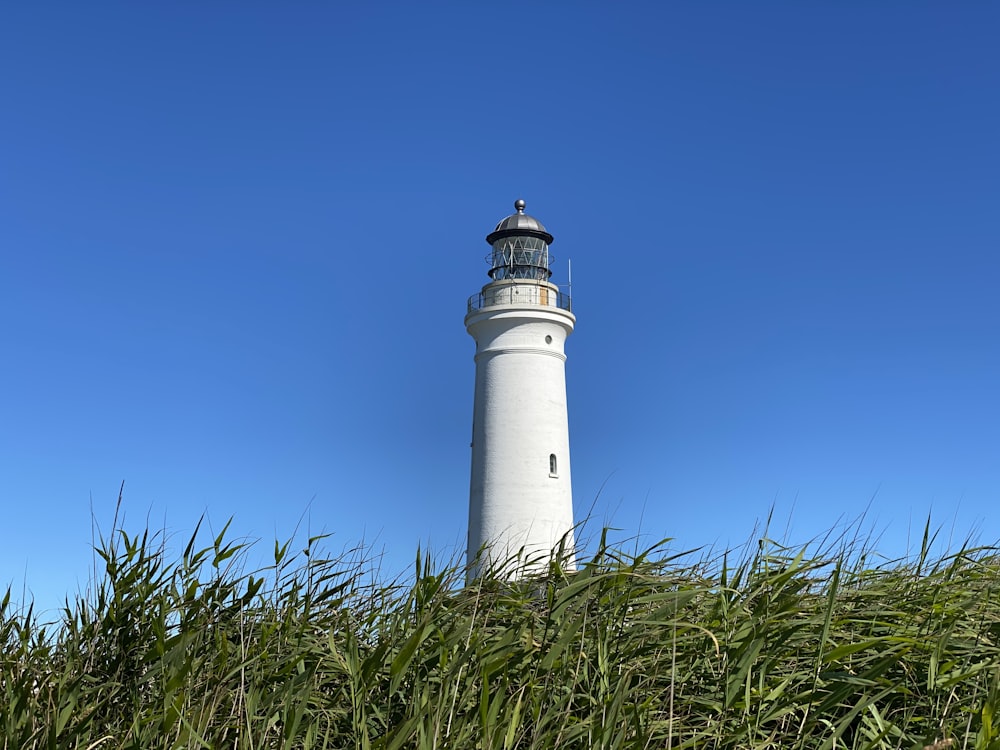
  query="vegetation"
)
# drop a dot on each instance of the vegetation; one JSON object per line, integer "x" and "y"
{"x": 775, "y": 649}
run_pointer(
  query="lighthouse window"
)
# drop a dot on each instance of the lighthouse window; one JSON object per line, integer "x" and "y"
{"x": 552, "y": 465}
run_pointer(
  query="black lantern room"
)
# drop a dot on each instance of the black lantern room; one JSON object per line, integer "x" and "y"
{"x": 520, "y": 248}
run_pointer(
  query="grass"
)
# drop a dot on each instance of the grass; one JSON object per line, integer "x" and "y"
{"x": 767, "y": 647}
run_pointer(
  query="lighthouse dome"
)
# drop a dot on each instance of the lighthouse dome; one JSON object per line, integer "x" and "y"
{"x": 519, "y": 223}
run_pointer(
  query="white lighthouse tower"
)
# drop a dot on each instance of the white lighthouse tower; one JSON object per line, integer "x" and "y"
{"x": 520, "y": 496}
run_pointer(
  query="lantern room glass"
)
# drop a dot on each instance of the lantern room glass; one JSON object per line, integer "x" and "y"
{"x": 520, "y": 257}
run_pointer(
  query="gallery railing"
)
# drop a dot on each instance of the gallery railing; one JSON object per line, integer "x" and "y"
{"x": 520, "y": 294}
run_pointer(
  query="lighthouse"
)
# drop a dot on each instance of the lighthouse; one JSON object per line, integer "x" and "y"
{"x": 520, "y": 494}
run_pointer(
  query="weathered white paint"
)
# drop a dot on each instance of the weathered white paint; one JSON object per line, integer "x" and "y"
{"x": 516, "y": 507}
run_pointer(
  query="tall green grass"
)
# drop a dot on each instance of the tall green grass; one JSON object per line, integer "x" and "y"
{"x": 766, "y": 647}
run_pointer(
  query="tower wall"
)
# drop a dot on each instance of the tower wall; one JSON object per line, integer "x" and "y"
{"x": 517, "y": 505}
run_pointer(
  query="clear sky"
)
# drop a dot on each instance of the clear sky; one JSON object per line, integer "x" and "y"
{"x": 238, "y": 240}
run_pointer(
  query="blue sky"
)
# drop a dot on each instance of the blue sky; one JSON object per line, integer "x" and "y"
{"x": 238, "y": 240}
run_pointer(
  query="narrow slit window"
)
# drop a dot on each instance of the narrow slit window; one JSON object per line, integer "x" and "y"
{"x": 553, "y": 466}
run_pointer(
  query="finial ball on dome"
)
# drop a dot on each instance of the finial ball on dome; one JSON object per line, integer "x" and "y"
{"x": 519, "y": 204}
